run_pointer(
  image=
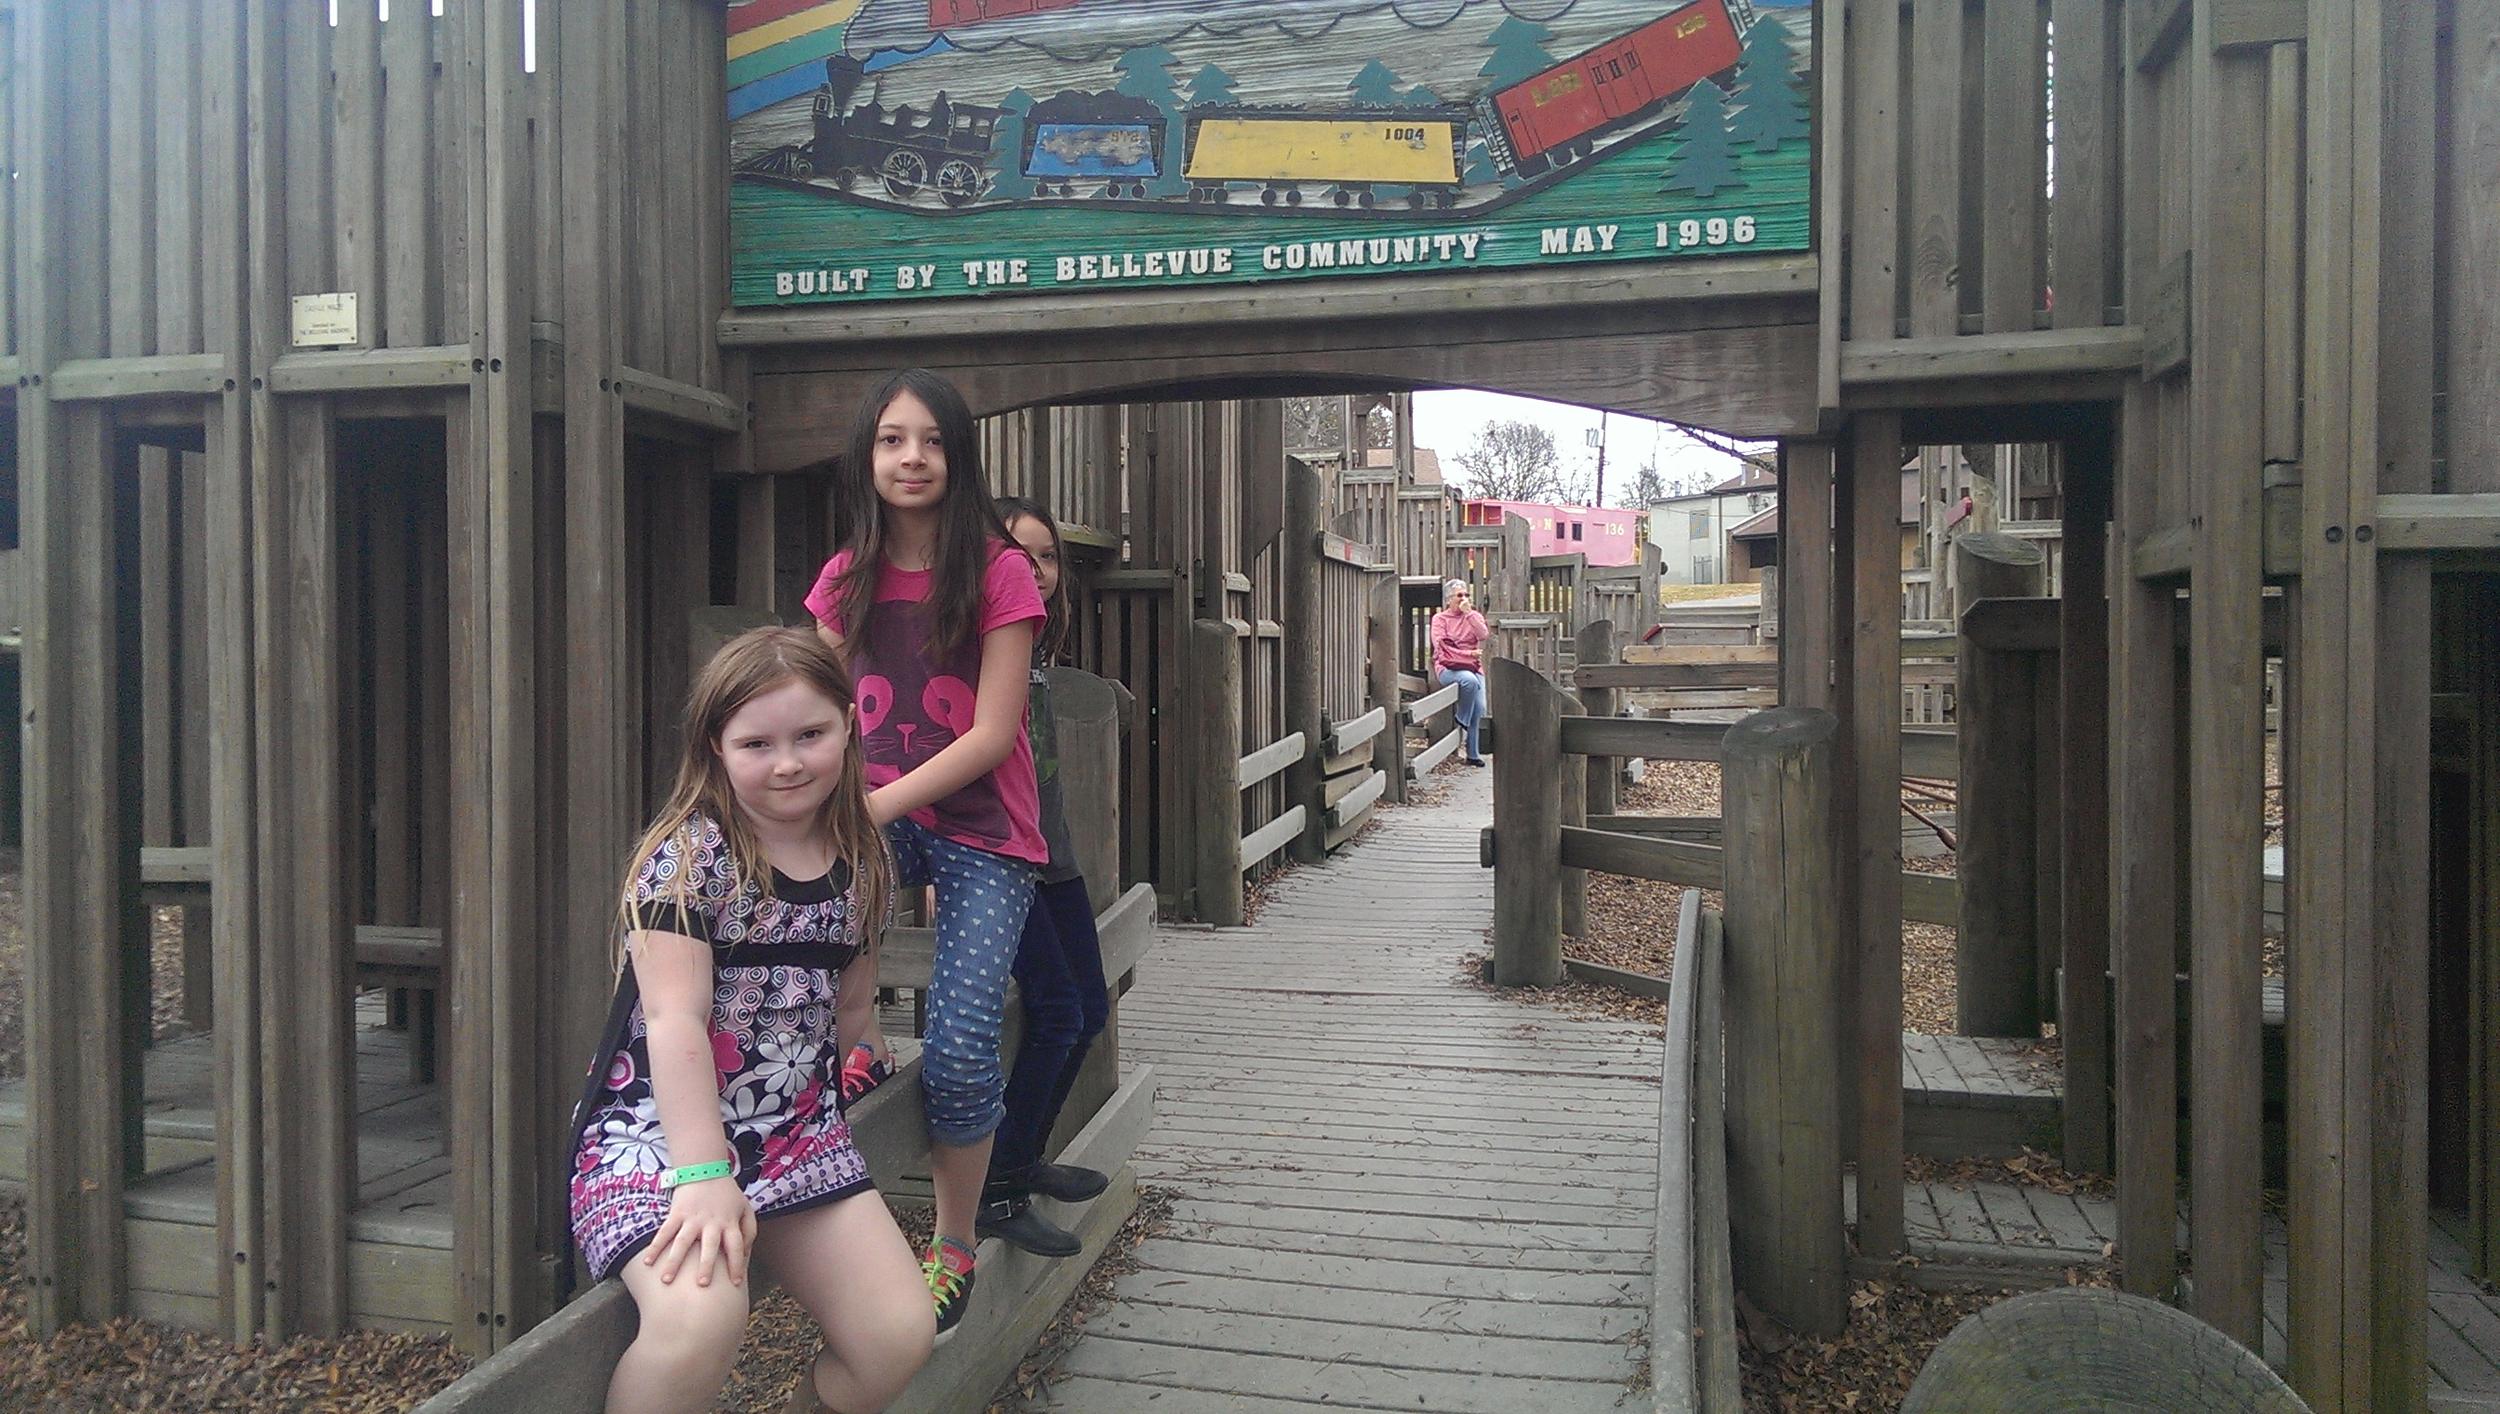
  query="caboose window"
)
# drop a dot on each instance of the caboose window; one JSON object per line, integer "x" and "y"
{"x": 1631, "y": 58}
{"x": 1614, "y": 69}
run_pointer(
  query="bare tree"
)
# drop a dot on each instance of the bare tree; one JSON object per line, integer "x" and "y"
{"x": 1512, "y": 461}
{"x": 1647, "y": 486}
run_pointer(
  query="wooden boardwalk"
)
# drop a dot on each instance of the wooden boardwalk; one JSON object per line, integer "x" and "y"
{"x": 1394, "y": 1191}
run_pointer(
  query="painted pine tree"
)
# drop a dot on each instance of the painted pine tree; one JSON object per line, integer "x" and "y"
{"x": 1146, "y": 75}
{"x": 1374, "y": 85}
{"x": 1704, "y": 160}
{"x": 1518, "y": 52}
{"x": 1766, "y": 84}
{"x": 1211, "y": 87}
{"x": 1007, "y": 179}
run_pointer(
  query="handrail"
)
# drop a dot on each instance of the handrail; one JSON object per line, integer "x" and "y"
{"x": 1270, "y": 759}
{"x": 1432, "y": 704}
{"x": 1345, "y": 736}
{"x": 1925, "y": 898}
{"x": 1355, "y": 800}
{"x": 1673, "y": 1319}
{"x": 1272, "y": 836}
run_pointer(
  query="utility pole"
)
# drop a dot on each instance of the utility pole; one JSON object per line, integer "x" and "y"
{"x": 1597, "y": 439}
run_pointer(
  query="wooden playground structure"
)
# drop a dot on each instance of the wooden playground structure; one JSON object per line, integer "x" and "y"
{"x": 398, "y": 622}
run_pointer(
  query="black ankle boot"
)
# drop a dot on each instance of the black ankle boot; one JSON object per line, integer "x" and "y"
{"x": 1007, "y": 1214}
{"x": 1066, "y": 1182}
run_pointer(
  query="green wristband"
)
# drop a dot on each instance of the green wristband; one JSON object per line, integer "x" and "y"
{"x": 696, "y": 1173}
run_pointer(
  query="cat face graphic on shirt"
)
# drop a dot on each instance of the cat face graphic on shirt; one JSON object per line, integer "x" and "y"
{"x": 909, "y": 714}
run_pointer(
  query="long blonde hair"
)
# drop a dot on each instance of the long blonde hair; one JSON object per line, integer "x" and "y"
{"x": 756, "y": 662}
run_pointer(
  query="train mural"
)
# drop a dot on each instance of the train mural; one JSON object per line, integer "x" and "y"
{"x": 1283, "y": 110}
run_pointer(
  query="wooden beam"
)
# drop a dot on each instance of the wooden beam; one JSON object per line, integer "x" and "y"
{"x": 2036, "y": 353}
{"x": 1343, "y": 737}
{"x": 684, "y": 403}
{"x": 158, "y": 376}
{"x": 1876, "y": 763}
{"x": 2417, "y": 522}
{"x": 2248, "y": 24}
{"x": 368, "y": 370}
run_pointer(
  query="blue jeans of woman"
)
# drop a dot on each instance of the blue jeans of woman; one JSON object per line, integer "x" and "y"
{"x": 1066, "y": 1005}
{"x": 982, "y": 899}
{"x": 1470, "y": 710}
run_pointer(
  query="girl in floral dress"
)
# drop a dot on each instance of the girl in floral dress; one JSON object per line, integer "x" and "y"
{"x": 710, "y": 1128}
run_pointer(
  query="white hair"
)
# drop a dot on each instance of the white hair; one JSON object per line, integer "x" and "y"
{"x": 1452, "y": 586}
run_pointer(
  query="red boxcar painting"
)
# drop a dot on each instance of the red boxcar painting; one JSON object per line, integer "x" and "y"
{"x": 1614, "y": 80}
{"x": 955, "y": 14}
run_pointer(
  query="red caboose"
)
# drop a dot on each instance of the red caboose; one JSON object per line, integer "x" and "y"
{"x": 1558, "y": 110}
{"x": 955, "y": 14}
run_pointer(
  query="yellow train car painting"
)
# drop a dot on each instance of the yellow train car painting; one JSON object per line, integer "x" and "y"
{"x": 1346, "y": 155}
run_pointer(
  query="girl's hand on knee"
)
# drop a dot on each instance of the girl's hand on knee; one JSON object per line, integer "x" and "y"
{"x": 710, "y": 1220}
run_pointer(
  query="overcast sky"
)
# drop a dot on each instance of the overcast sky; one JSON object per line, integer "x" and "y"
{"x": 1447, "y": 422}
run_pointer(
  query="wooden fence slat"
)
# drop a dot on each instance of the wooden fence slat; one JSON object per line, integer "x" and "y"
{"x": 2226, "y": 724}
{"x": 2082, "y": 244}
{"x": 1674, "y": 1330}
{"x": 412, "y": 266}
{"x": 2083, "y": 1018}
{"x": 179, "y": 85}
{"x": 1870, "y": 51}
{"x": 2013, "y": 144}
{"x": 1936, "y": 176}
{"x": 354, "y": 99}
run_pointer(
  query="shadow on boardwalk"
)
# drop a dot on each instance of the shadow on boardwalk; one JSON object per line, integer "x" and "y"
{"x": 1394, "y": 1191}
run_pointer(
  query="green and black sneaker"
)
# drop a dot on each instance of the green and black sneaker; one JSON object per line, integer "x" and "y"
{"x": 949, "y": 1270}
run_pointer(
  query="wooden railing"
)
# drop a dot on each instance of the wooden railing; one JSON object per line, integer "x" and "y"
{"x": 1340, "y": 754}
{"x": 1422, "y": 542}
{"x": 1692, "y": 1313}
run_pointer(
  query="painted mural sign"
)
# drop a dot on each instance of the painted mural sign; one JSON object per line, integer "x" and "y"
{"x": 919, "y": 149}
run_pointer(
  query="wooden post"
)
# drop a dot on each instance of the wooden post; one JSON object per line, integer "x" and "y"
{"x": 2083, "y": 1020}
{"x": 2226, "y": 674}
{"x": 1527, "y": 827}
{"x": 1572, "y": 805}
{"x": 1597, "y": 645}
{"x": 1388, "y": 748}
{"x": 1216, "y": 730}
{"x": 1305, "y": 647}
{"x": 1874, "y": 974}
{"x": 1783, "y": 1003}
{"x": 1995, "y": 962}
{"x": 1086, "y": 711}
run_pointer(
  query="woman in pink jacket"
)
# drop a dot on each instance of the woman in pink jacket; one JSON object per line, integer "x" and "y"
{"x": 1458, "y": 635}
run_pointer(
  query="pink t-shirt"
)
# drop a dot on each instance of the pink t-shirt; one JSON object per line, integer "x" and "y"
{"x": 914, "y": 700}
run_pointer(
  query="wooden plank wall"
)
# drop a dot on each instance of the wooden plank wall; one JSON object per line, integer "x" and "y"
{"x": 1946, "y": 187}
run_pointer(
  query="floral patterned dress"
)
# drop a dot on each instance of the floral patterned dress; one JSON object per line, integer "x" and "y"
{"x": 775, "y": 973}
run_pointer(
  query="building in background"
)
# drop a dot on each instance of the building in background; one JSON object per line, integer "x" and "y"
{"x": 1606, "y": 537}
{"x": 1692, "y": 532}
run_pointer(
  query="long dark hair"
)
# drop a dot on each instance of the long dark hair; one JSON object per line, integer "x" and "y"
{"x": 1054, "y": 633}
{"x": 969, "y": 529}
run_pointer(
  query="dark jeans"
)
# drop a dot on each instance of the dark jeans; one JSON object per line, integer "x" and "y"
{"x": 1066, "y": 1005}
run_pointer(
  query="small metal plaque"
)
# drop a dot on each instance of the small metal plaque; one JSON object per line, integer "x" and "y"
{"x": 325, "y": 321}
{"x": 2166, "y": 319}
